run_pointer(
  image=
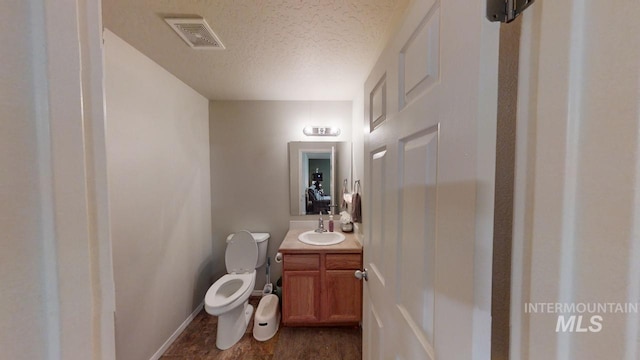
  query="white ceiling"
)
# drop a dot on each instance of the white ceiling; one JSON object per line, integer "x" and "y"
{"x": 275, "y": 49}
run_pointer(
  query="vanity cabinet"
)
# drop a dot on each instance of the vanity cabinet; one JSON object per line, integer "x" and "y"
{"x": 320, "y": 289}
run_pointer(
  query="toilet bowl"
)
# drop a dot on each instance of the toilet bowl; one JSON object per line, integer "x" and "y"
{"x": 228, "y": 297}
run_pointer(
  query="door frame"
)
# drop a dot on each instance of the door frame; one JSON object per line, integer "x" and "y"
{"x": 78, "y": 273}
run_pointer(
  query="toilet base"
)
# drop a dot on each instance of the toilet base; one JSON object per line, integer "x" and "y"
{"x": 232, "y": 325}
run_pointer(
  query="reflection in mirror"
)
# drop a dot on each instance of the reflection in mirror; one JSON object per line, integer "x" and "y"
{"x": 314, "y": 168}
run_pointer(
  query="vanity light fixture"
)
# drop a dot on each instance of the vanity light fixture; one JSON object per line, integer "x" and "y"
{"x": 321, "y": 131}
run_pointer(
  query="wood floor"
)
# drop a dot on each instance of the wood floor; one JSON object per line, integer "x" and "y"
{"x": 198, "y": 341}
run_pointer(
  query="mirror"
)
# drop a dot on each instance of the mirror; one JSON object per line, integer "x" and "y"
{"x": 316, "y": 173}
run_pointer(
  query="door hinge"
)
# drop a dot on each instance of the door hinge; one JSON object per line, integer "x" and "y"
{"x": 506, "y": 10}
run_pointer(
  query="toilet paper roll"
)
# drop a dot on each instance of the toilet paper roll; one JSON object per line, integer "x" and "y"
{"x": 279, "y": 258}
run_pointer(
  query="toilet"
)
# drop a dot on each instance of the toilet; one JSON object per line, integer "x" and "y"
{"x": 228, "y": 298}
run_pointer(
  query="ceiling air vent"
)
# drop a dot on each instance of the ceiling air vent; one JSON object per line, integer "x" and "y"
{"x": 196, "y": 33}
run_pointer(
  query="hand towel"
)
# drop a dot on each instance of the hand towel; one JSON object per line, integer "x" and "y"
{"x": 357, "y": 205}
{"x": 357, "y": 208}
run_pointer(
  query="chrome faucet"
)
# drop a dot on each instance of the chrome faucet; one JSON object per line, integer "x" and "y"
{"x": 320, "y": 228}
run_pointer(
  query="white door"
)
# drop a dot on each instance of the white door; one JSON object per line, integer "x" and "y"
{"x": 430, "y": 111}
{"x": 577, "y": 190}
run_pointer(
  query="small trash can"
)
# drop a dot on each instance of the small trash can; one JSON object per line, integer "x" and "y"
{"x": 267, "y": 318}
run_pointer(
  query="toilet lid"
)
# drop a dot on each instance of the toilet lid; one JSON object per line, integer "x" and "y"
{"x": 242, "y": 253}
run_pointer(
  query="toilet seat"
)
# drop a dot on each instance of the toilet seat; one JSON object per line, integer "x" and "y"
{"x": 228, "y": 292}
{"x": 241, "y": 254}
{"x": 234, "y": 288}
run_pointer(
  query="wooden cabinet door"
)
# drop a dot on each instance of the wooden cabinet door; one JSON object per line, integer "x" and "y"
{"x": 342, "y": 296}
{"x": 301, "y": 297}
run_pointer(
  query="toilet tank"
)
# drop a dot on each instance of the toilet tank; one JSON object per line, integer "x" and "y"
{"x": 262, "y": 240}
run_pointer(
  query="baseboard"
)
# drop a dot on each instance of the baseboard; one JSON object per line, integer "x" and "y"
{"x": 256, "y": 293}
{"x": 177, "y": 333}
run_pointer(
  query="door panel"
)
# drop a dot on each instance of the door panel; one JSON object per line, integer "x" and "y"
{"x": 420, "y": 58}
{"x": 373, "y": 331}
{"x": 378, "y": 103}
{"x": 429, "y": 167}
{"x": 376, "y": 220}
{"x": 417, "y": 232}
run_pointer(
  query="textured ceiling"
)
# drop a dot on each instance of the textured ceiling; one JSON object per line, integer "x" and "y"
{"x": 275, "y": 49}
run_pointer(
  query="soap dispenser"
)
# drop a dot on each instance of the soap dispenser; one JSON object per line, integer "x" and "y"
{"x": 331, "y": 223}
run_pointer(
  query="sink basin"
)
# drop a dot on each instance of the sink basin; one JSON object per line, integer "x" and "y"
{"x": 325, "y": 238}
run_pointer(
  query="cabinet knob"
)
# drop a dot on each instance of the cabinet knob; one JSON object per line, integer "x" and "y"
{"x": 361, "y": 275}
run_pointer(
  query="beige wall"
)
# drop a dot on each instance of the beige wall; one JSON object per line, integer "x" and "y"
{"x": 22, "y": 313}
{"x": 250, "y": 166}
{"x": 158, "y": 167}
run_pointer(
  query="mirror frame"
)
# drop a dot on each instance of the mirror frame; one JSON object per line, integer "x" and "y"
{"x": 296, "y": 148}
